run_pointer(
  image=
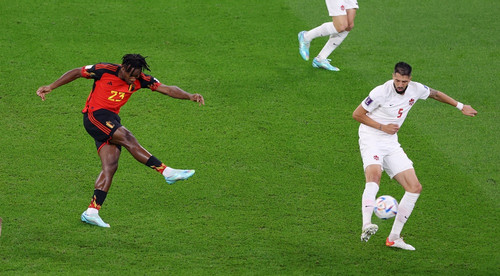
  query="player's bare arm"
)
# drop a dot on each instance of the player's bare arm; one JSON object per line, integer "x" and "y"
{"x": 360, "y": 115}
{"x": 442, "y": 97}
{"x": 178, "y": 93}
{"x": 67, "y": 77}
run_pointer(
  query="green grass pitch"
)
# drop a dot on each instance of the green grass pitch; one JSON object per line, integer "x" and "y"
{"x": 279, "y": 177}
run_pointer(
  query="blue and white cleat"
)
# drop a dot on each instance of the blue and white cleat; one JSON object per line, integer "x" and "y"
{"x": 174, "y": 175}
{"x": 94, "y": 219}
{"x": 324, "y": 64}
{"x": 304, "y": 46}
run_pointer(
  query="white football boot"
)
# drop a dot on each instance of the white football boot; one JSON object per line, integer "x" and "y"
{"x": 368, "y": 231}
{"x": 399, "y": 243}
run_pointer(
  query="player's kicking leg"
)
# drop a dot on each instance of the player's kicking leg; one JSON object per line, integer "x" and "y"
{"x": 124, "y": 137}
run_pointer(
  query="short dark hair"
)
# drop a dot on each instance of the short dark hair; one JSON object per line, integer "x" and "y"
{"x": 403, "y": 68}
{"x": 134, "y": 61}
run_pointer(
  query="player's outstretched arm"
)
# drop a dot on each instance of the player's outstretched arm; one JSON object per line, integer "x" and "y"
{"x": 177, "y": 93}
{"x": 67, "y": 77}
{"x": 442, "y": 97}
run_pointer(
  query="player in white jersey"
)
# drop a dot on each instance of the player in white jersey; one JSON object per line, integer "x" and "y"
{"x": 381, "y": 115}
{"x": 343, "y": 13}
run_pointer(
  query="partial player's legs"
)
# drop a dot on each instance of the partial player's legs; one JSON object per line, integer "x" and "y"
{"x": 372, "y": 174}
{"x": 124, "y": 137}
{"x": 342, "y": 22}
{"x": 408, "y": 179}
{"x": 109, "y": 154}
{"x": 305, "y": 38}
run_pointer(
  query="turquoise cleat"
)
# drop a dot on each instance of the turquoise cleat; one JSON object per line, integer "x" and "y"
{"x": 176, "y": 175}
{"x": 325, "y": 64}
{"x": 304, "y": 46}
{"x": 94, "y": 219}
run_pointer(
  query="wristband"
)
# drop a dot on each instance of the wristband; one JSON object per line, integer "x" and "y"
{"x": 460, "y": 106}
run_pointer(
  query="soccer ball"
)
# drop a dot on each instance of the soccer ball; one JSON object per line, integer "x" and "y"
{"x": 386, "y": 207}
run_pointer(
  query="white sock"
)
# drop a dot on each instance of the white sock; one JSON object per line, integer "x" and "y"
{"x": 332, "y": 43}
{"x": 404, "y": 211}
{"x": 91, "y": 211}
{"x": 368, "y": 202}
{"x": 322, "y": 30}
{"x": 167, "y": 171}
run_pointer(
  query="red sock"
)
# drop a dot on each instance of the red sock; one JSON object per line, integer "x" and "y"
{"x": 161, "y": 168}
{"x": 98, "y": 199}
{"x": 156, "y": 164}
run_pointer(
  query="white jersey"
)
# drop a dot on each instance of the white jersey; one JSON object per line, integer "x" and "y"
{"x": 386, "y": 106}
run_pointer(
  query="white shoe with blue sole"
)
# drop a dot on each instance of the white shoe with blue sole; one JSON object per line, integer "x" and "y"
{"x": 94, "y": 219}
{"x": 177, "y": 175}
{"x": 324, "y": 64}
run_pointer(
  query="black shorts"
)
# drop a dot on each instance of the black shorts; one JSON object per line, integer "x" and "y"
{"x": 101, "y": 124}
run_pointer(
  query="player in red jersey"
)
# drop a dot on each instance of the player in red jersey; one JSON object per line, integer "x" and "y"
{"x": 113, "y": 86}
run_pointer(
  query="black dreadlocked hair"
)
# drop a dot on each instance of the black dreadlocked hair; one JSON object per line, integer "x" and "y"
{"x": 134, "y": 61}
{"x": 403, "y": 68}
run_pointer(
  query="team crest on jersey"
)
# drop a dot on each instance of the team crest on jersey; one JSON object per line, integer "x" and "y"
{"x": 375, "y": 157}
{"x": 342, "y": 8}
{"x": 412, "y": 101}
{"x": 368, "y": 100}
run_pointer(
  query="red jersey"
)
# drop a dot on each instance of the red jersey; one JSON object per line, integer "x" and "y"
{"x": 109, "y": 91}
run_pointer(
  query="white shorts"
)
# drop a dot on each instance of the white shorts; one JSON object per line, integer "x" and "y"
{"x": 340, "y": 7}
{"x": 386, "y": 153}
